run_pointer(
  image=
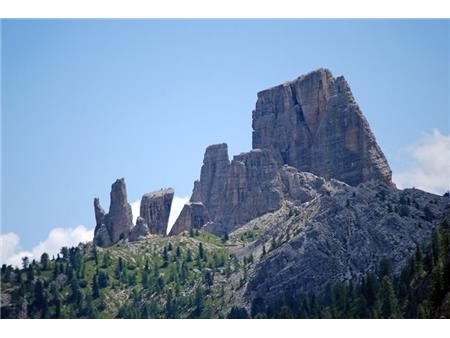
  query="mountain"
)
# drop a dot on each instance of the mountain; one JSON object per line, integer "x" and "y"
{"x": 311, "y": 207}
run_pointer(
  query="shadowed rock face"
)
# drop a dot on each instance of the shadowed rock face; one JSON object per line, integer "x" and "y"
{"x": 193, "y": 215}
{"x": 120, "y": 218}
{"x": 315, "y": 125}
{"x": 155, "y": 210}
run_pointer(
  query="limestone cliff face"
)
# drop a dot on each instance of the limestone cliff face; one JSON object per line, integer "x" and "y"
{"x": 155, "y": 210}
{"x": 315, "y": 125}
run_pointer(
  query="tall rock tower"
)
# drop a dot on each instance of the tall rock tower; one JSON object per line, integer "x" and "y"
{"x": 315, "y": 125}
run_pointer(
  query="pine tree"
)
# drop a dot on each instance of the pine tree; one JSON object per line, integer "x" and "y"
{"x": 390, "y": 307}
{"x": 165, "y": 257}
{"x": 105, "y": 262}
{"x": 39, "y": 295}
{"x": 189, "y": 256}
{"x": 44, "y": 260}
{"x": 198, "y": 302}
{"x": 145, "y": 279}
{"x": 370, "y": 289}
{"x": 225, "y": 237}
{"x": 201, "y": 251}
{"x": 95, "y": 288}
{"x": 435, "y": 246}
{"x": 102, "y": 279}
{"x": 25, "y": 262}
{"x": 418, "y": 262}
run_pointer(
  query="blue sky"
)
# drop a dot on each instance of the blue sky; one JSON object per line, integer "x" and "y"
{"x": 86, "y": 102}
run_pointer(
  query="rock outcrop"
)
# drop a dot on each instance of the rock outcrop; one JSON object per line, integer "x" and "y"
{"x": 99, "y": 213}
{"x": 234, "y": 193}
{"x": 116, "y": 224}
{"x": 193, "y": 215}
{"x": 155, "y": 210}
{"x": 139, "y": 230}
{"x": 315, "y": 125}
{"x": 253, "y": 187}
{"x": 210, "y": 188}
{"x": 101, "y": 234}
{"x": 119, "y": 218}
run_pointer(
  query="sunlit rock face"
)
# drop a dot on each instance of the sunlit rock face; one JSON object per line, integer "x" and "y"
{"x": 155, "y": 210}
{"x": 314, "y": 124}
{"x": 117, "y": 223}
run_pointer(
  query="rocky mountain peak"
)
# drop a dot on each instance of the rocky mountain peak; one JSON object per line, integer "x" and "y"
{"x": 314, "y": 124}
{"x": 309, "y": 125}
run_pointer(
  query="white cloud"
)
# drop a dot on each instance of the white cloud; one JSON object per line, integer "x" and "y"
{"x": 57, "y": 238}
{"x": 431, "y": 169}
{"x": 135, "y": 209}
{"x": 9, "y": 245}
{"x": 12, "y": 253}
{"x": 177, "y": 206}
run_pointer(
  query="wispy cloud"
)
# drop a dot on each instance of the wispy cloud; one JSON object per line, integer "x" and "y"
{"x": 11, "y": 252}
{"x": 431, "y": 164}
